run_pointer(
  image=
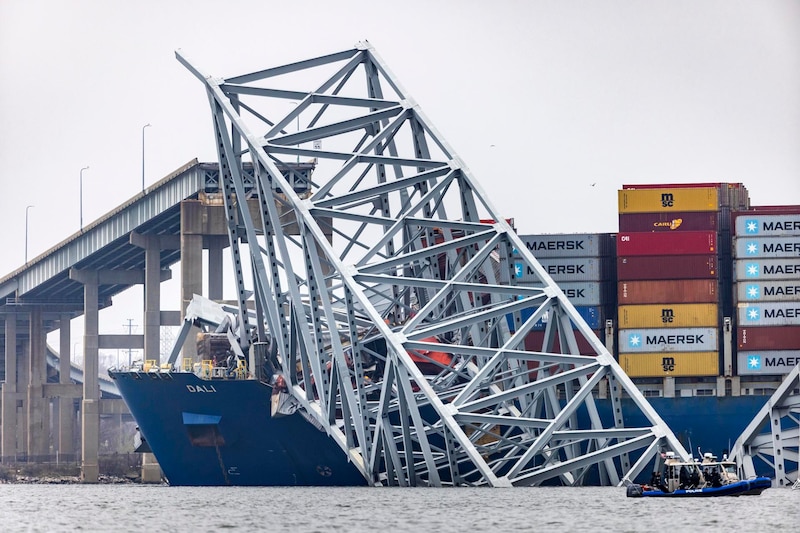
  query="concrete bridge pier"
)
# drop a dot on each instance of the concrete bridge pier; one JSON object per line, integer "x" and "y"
{"x": 90, "y": 405}
{"x": 38, "y": 404}
{"x": 9, "y": 439}
{"x": 154, "y": 318}
{"x": 66, "y": 413}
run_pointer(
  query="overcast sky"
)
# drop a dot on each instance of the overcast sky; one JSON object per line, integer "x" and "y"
{"x": 541, "y": 99}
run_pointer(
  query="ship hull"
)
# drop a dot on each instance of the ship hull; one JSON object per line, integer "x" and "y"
{"x": 745, "y": 487}
{"x": 221, "y": 432}
{"x": 710, "y": 423}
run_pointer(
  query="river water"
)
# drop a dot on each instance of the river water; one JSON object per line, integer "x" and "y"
{"x": 120, "y": 508}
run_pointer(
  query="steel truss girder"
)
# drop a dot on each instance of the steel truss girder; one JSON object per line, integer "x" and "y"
{"x": 389, "y": 288}
{"x": 773, "y": 436}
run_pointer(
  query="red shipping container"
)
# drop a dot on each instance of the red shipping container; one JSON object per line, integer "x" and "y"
{"x": 768, "y": 338}
{"x": 643, "y": 267}
{"x": 676, "y": 291}
{"x": 534, "y": 339}
{"x": 666, "y": 221}
{"x": 662, "y": 243}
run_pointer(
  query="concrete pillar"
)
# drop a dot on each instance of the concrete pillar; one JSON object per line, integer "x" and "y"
{"x": 38, "y": 405}
{"x": 23, "y": 370}
{"x": 90, "y": 406}
{"x": 66, "y": 414}
{"x": 215, "y": 247}
{"x": 191, "y": 265}
{"x": 152, "y": 301}
{"x": 9, "y": 421}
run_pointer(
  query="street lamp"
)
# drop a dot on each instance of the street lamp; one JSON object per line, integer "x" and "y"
{"x": 26, "y": 232}
{"x": 81, "y": 194}
{"x": 143, "y": 127}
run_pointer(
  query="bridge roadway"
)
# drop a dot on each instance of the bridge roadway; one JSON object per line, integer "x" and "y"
{"x": 135, "y": 243}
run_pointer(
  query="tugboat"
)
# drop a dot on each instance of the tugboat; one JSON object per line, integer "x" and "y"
{"x": 698, "y": 479}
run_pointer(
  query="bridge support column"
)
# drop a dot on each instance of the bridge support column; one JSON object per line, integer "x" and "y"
{"x": 66, "y": 411}
{"x": 23, "y": 369}
{"x": 9, "y": 392}
{"x": 215, "y": 246}
{"x": 191, "y": 265}
{"x": 152, "y": 300}
{"x": 38, "y": 406}
{"x": 90, "y": 406}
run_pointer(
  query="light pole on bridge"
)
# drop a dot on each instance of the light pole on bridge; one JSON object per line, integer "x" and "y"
{"x": 143, "y": 127}
{"x": 81, "y": 195}
{"x": 27, "y": 208}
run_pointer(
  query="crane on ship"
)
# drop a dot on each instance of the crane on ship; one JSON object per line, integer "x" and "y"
{"x": 384, "y": 292}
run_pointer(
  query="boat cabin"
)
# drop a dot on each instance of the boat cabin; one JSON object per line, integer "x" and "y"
{"x": 695, "y": 474}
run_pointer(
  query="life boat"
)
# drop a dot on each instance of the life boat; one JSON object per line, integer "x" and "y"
{"x": 427, "y": 360}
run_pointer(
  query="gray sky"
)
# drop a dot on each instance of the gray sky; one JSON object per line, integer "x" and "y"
{"x": 541, "y": 99}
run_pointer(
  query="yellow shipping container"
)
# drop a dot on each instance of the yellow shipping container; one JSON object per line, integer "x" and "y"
{"x": 675, "y": 364}
{"x": 672, "y": 199}
{"x": 668, "y": 316}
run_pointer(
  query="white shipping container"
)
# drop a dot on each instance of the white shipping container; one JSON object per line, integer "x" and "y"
{"x": 767, "y": 225}
{"x": 769, "y": 314}
{"x": 668, "y": 340}
{"x": 768, "y": 291}
{"x": 564, "y": 269}
{"x": 758, "y": 269}
{"x": 772, "y": 362}
{"x": 569, "y": 244}
{"x": 767, "y": 247}
{"x": 579, "y": 293}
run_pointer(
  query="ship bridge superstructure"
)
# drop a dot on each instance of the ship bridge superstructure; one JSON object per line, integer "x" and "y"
{"x": 386, "y": 292}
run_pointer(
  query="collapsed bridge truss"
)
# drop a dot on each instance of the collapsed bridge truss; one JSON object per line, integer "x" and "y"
{"x": 387, "y": 287}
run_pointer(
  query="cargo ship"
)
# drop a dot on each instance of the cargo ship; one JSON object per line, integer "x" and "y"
{"x": 420, "y": 268}
{"x": 714, "y": 341}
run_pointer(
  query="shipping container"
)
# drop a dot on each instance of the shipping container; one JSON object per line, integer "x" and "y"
{"x": 770, "y": 362}
{"x": 671, "y": 199}
{"x": 643, "y": 267}
{"x": 570, "y": 244}
{"x": 730, "y": 194}
{"x": 584, "y": 292}
{"x": 592, "y": 315}
{"x": 766, "y": 224}
{"x": 676, "y": 291}
{"x": 769, "y": 314}
{"x": 534, "y": 340}
{"x": 670, "y": 221}
{"x": 768, "y": 337}
{"x": 768, "y": 291}
{"x": 566, "y": 269}
{"x": 769, "y": 269}
{"x": 767, "y": 247}
{"x": 668, "y": 340}
{"x": 668, "y": 316}
{"x": 677, "y": 364}
{"x": 650, "y": 243}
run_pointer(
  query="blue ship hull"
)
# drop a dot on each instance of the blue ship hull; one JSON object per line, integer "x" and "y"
{"x": 220, "y": 432}
{"x": 711, "y": 423}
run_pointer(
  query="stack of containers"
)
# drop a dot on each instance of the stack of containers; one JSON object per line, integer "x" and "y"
{"x": 668, "y": 270}
{"x": 581, "y": 264}
{"x": 767, "y": 291}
